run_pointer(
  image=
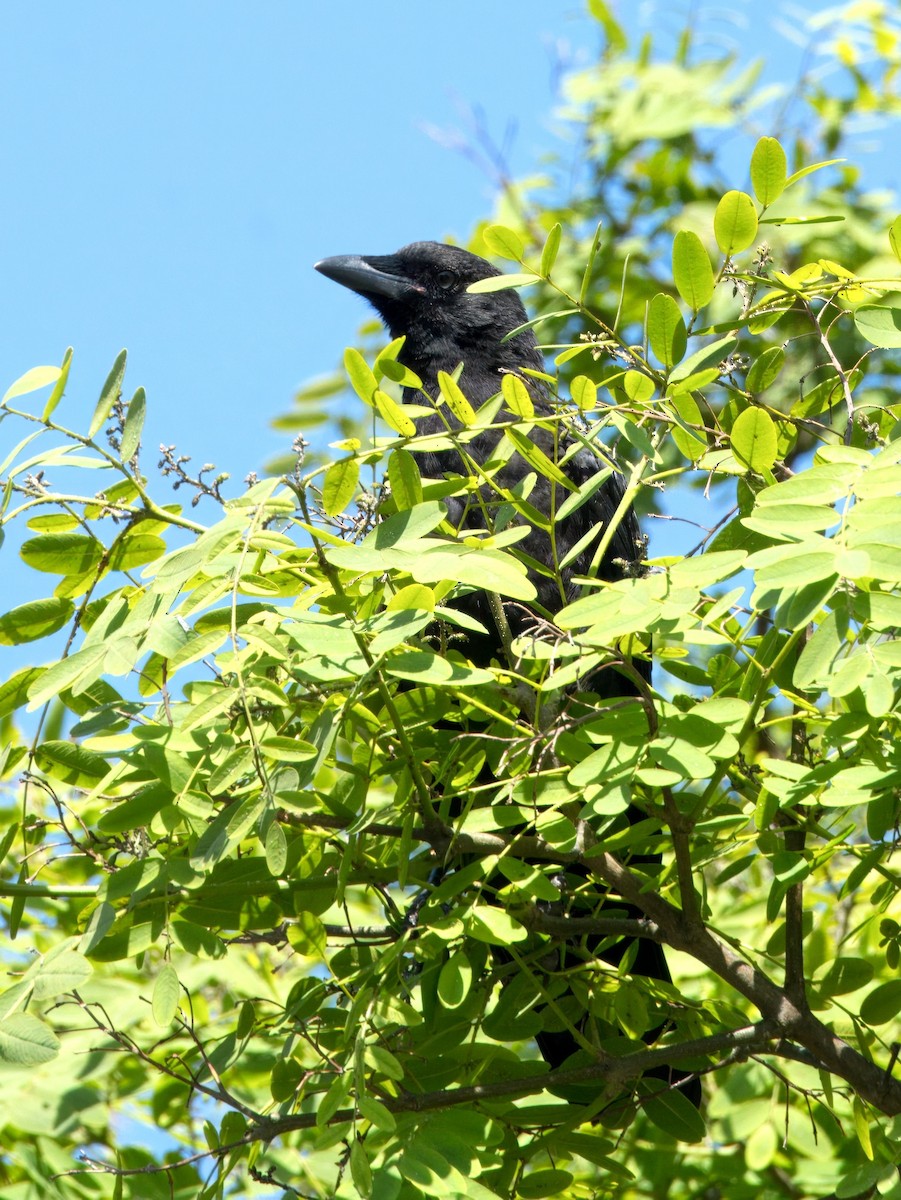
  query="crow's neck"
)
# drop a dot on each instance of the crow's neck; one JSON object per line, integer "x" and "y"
{"x": 484, "y": 364}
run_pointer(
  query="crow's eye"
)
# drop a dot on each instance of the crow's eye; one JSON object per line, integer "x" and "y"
{"x": 446, "y": 279}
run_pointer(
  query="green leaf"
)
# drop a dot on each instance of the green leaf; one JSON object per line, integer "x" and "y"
{"x": 386, "y": 364}
{"x": 498, "y": 283}
{"x": 639, "y": 388}
{"x": 862, "y": 1127}
{"x": 676, "y": 1115}
{"x": 404, "y": 478}
{"x": 882, "y": 1004}
{"x": 339, "y": 485}
{"x": 689, "y": 435}
{"x": 755, "y": 441}
{"x": 37, "y": 377}
{"x": 516, "y": 396}
{"x": 894, "y": 237}
{"x": 376, "y": 1113}
{"x": 692, "y": 271}
{"x": 132, "y": 548}
{"x": 551, "y": 248}
{"x": 288, "y": 749}
{"x": 166, "y": 994}
{"x": 277, "y": 847}
{"x": 59, "y": 387}
{"x": 425, "y": 666}
{"x": 407, "y": 526}
{"x": 134, "y": 425}
{"x": 765, "y": 369}
{"x": 707, "y": 358}
{"x": 879, "y": 324}
{"x": 666, "y": 330}
{"x": 109, "y": 394}
{"x": 382, "y": 1060}
{"x": 735, "y": 222}
{"x": 62, "y": 970}
{"x": 62, "y": 553}
{"x": 844, "y": 975}
{"x": 829, "y": 162}
{"x": 27, "y": 1042}
{"x": 536, "y": 458}
{"x": 768, "y": 170}
{"x": 34, "y": 620}
{"x": 307, "y": 935}
{"x": 360, "y": 1170}
{"x": 495, "y": 926}
{"x": 225, "y": 832}
{"x": 455, "y": 980}
{"x": 393, "y": 414}
{"x": 455, "y": 399}
{"x": 584, "y": 494}
{"x": 584, "y": 392}
{"x": 334, "y": 1097}
{"x": 362, "y": 380}
{"x": 504, "y": 242}
{"x": 549, "y": 1181}
{"x": 98, "y": 926}
{"x": 71, "y": 763}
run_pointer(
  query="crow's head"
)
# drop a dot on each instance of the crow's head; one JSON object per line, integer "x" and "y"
{"x": 420, "y": 293}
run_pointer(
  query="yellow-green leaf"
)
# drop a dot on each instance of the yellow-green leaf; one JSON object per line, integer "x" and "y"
{"x": 455, "y": 399}
{"x": 166, "y": 990}
{"x": 404, "y": 478}
{"x": 413, "y": 597}
{"x": 755, "y": 440}
{"x": 549, "y": 253}
{"x": 277, "y": 847}
{"x": 862, "y": 1126}
{"x": 109, "y": 394}
{"x": 134, "y": 424}
{"x": 34, "y": 620}
{"x": 37, "y": 377}
{"x": 735, "y": 222}
{"x": 894, "y": 237}
{"x": 498, "y": 283}
{"x": 666, "y": 330}
{"x": 362, "y": 380}
{"x": 59, "y": 387}
{"x": 393, "y": 414}
{"x": 339, "y": 485}
{"x": 765, "y": 369}
{"x": 27, "y": 1042}
{"x": 455, "y": 980}
{"x": 504, "y": 242}
{"x": 692, "y": 272}
{"x": 768, "y": 170}
{"x": 517, "y": 397}
{"x": 584, "y": 392}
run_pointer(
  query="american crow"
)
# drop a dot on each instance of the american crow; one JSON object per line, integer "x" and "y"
{"x": 421, "y": 294}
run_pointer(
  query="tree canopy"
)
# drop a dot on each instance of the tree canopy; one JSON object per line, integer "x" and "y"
{"x": 254, "y": 732}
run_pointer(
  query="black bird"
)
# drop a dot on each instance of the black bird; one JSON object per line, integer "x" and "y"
{"x": 420, "y": 293}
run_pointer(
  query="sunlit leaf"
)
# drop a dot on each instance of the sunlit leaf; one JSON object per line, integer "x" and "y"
{"x": 735, "y": 222}
{"x": 666, "y": 330}
{"x": 768, "y": 170}
{"x": 692, "y": 271}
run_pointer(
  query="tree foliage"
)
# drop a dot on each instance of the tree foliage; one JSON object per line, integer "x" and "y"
{"x": 253, "y": 737}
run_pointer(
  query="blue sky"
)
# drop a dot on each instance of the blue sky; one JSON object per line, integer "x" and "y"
{"x": 171, "y": 172}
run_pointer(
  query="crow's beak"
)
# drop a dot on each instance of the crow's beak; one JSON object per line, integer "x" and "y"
{"x": 367, "y": 276}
